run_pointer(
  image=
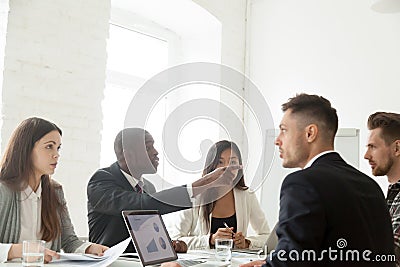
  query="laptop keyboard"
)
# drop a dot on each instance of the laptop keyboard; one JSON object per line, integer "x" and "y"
{"x": 187, "y": 263}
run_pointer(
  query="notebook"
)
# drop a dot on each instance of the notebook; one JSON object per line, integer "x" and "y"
{"x": 152, "y": 241}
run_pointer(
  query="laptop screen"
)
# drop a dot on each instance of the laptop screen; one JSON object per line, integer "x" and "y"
{"x": 149, "y": 236}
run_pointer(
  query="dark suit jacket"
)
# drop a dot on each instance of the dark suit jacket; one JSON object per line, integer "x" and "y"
{"x": 109, "y": 193}
{"x": 332, "y": 205}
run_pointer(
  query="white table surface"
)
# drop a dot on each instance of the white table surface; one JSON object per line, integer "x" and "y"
{"x": 237, "y": 258}
{"x": 117, "y": 263}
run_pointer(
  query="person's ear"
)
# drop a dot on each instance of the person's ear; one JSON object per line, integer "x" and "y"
{"x": 311, "y": 132}
{"x": 397, "y": 148}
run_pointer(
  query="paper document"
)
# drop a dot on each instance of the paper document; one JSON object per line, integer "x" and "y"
{"x": 190, "y": 256}
{"x": 249, "y": 251}
{"x": 110, "y": 255}
{"x": 202, "y": 253}
{"x": 79, "y": 257}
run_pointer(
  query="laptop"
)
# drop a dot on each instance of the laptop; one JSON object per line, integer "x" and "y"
{"x": 152, "y": 241}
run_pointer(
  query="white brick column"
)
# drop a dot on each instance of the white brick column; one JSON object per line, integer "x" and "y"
{"x": 4, "y": 8}
{"x": 54, "y": 67}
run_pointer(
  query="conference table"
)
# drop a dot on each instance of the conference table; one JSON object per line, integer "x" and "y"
{"x": 117, "y": 263}
{"x": 237, "y": 259}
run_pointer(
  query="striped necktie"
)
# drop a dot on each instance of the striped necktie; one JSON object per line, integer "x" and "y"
{"x": 139, "y": 187}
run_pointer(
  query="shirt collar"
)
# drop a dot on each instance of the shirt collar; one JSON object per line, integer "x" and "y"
{"x": 316, "y": 157}
{"x": 31, "y": 194}
{"x": 130, "y": 177}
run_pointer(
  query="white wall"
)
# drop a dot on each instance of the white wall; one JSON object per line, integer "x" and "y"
{"x": 336, "y": 48}
{"x": 54, "y": 67}
{"x": 4, "y": 8}
{"x": 232, "y": 15}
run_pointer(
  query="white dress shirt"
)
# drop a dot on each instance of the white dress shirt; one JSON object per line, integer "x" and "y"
{"x": 134, "y": 181}
{"x": 31, "y": 211}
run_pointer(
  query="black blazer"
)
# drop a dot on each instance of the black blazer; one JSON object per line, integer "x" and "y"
{"x": 109, "y": 193}
{"x": 332, "y": 205}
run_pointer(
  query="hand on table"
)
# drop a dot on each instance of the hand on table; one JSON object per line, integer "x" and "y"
{"x": 179, "y": 246}
{"x": 16, "y": 252}
{"x": 49, "y": 255}
{"x": 96, "y": 249}
{"x": 240, "y": 241}
{"x": 170, "y": 264}
{"x": 253, "y": 264}
{"x": 222, "y": 233}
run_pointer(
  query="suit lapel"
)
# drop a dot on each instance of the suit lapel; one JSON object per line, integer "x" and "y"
{"x": 120, "y": 178}
{"x": 239, "y": 209}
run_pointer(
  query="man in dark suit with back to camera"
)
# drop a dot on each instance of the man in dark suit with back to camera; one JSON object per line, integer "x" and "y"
{"x": 330, "y": 213}
{"x": 383, "y": 154}
{"x": 122, "y": 187}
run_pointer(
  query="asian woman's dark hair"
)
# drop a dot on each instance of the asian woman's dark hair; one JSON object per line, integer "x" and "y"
{"x": 17, "y": 167}
{"x": 212, "y": 160}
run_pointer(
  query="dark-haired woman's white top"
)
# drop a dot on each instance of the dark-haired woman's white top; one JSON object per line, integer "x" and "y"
{"x": 191, "y": 226}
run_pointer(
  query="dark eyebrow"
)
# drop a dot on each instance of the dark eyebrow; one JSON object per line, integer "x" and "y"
{"x": 50, "y": 142}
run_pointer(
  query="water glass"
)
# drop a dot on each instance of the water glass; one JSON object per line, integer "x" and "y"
{"x": 33, "y": 252}
{"x": 223, "y": 249}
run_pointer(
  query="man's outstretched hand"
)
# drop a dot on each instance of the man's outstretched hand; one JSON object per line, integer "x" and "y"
{"x": 220, "y": 177}
{"x": 258, "y": 263}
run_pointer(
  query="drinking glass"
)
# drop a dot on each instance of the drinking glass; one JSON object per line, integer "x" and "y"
{"x": 223, "y": 249}
{"x": 33, "y": 252}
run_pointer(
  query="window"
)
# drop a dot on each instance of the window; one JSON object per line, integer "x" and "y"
{"x": 142, "y": 43}
{"x": 133, "y": 57}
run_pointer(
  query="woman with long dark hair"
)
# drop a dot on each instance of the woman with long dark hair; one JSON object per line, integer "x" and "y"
{"x": 237, "y": 208}
{"x": 32, "y": 205}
